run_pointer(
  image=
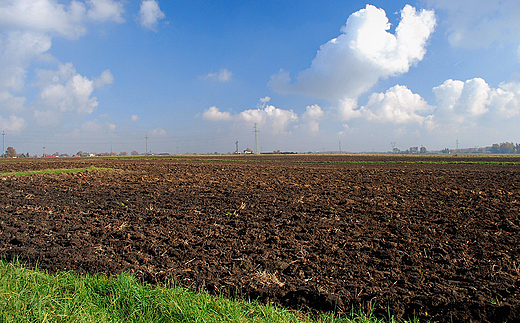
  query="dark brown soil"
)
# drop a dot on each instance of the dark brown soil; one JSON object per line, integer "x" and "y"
{"x": 436, "y": 241}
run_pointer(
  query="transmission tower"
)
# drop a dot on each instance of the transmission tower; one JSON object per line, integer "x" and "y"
{"x": 256, "y": 139}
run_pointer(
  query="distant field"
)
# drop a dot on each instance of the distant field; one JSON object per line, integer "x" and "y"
{"x": 436, "y": 237}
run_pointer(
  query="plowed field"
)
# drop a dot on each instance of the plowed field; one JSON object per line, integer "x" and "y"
{"x": 409, "y": 236}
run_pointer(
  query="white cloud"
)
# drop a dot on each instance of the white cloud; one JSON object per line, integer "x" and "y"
{"x": 12, "y": 124}
{"x": 47, "y": 16}
{"x": 134, "y": 118}
{"x": 46, "y": 118}
{"x": 397, "y": 105}
{"x": 473, "y": 104}
{"x": 474, "y": 25}
{"x": 65, "y": 90}
{"x": 349, "y": 65}
{"x": 10, "y": 102}
{"x": 94, "y": 127}
{"x": 105, "y": 78}
{"x": 312, "y": 114}
{"x": 348, "y": 109}
{"x": 158, "y": 132}
{"x": 17, "y": 50}
{"x": 26, "y": 31}
{"x": 214, "y": 114}
{"x": 276, "y": 119}
{"x": 224, "y": 75}
{"x": 150, "y": 14}
{"x": 460, "y": 100}
{"x": 105, "y": 10}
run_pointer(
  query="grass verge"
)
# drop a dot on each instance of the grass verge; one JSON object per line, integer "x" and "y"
{"x": 32, "y": 295}
{"x": 54, "y": 171}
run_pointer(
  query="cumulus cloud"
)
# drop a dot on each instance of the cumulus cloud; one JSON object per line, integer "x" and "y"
{"x": 474, "y": 26}
{"x": 349, "y": 65}
{"x": 214, "y": 114}
{"x": 468, "y": 102}
{"x": 134, "y": 118}
{"x": 265, "y": 114}
{"x": 460, "y": 101}
{"x": 10, "y": 102}
{"x": 12, "y": 124}
{"x": 26, "y": 31}
{"x": 63, "y": 90}
{"x": 158, "y": 132}
{"x": 397, "y": 105}
{"x": 312, "y": 114}
{"x": 224, "y": 75}
{"x": 105, "y": 10}
{"x": 105, "y": 78}
{"x": 45, "y": 16}
{"x": 150, "y": 14}
{"x": 17, "y": 50}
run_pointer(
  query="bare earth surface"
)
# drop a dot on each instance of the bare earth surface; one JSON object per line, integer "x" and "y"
{"x": 437, "y": 241}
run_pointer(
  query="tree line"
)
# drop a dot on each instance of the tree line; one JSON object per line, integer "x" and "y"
{"x": 505, "y": 148}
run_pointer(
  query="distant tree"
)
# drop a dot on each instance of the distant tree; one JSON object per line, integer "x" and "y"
{"x": 414, "y": 150}
{"x": 10, "y": 152}
{"x": 507, "y": 148}
{"x": 423, "y": 150}
{"x": 79, "y": 153}
{"x": 495, "y": 148}
{"x": 123, "y": 153}
{"x": 134, "y": 153}
{"x": 56, "y": 154}
{"x": 396, "y": 150}
{"x": 445, "y": 151}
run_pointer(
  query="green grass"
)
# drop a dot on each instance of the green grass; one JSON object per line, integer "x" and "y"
{"x": 32, "y": 295}
{"x": 54, "y": 171}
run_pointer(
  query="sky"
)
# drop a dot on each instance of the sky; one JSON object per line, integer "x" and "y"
{"x": 314, "y": 76}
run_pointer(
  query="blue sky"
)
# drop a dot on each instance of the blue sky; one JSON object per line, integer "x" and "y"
{"x": 195, "y": 76}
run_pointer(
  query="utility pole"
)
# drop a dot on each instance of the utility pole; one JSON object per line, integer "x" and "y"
{"x": 43, "y": 151}
{"x": 340, "y": 147}
{"x": 236, "y": 151}
{"x": 3, "y": 144}
{"x": 256, "y": 139}
{"x": 457, "y": 143}
{"x": 146, "y": 145}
